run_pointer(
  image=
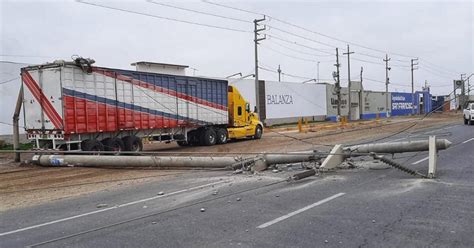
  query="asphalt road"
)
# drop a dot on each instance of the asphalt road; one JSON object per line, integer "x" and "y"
{"x": 347, "y": 208}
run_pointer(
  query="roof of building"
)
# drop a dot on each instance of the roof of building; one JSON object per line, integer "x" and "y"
{"x": 158, "y": 64}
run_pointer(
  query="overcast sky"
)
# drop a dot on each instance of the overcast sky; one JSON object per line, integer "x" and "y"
{"x": 440, "y": 33}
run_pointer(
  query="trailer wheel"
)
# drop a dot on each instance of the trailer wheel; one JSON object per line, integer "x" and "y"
{"x": 132, "y": 143}
{"x": 182, "y": 143}
{"x": 258, "y": 132}
{"x": 208, "y": 137}
{"x": 113, "y": 145}
{"x": 221, "y": 136}
{"x": 92, "y": 146}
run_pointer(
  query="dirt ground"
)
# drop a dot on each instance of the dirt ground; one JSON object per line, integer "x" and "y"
{"x": 23, "y": 185}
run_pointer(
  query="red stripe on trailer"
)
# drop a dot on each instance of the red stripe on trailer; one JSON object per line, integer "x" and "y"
{"x": 160, "y": 89}
{"x": 42, "y": 99}
{"x": 78, "y": 121}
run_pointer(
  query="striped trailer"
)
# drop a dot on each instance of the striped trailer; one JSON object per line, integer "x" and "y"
{"x": 71, "y": 107}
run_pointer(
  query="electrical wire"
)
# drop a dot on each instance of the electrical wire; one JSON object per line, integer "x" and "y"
{"x": 300, "y": 36}
{"x": 9, "y": 80}
{"x": 288, "y": 55}
{"x": 299, "y": 44}
{"x": 306, "y": 29}
{"x": 197, "y": 11}
{"x": 164, "y": 18}
{"x": 298, "y": 51}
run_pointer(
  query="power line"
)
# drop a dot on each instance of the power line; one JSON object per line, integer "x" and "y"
{"x": 435, "y": 73}
{"x": 165, "y": 18}
{"x": 10, "y": 80}
{"x": 298, "y": 51}
{"x": 287, "y": 74}
{"x": 199, "y": 12}
{"x": 440, "y": 71}
{"x": 439, "y": 67}
{"x": 306, "y": 29}
{"x": 290, "y": 56}
{"x": 298, "y": 44}
{"x": 234, "y": 8}
{"x": 300, "y": 36}
{"x": 270, "y": 18}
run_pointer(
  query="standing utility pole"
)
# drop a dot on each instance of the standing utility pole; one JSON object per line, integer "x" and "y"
{"x": 348, "y": 53}
{"x": 413, "y": 64}
{"x": 279, "y": 73}
{"x": 386, "y": 84}
{"x": 256, "y": 40}
{"x": 338, "y": 85}
{"x": 318, "y": 73}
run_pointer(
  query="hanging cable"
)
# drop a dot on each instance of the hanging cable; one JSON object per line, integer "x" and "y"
{"x": 199, "y": 12}
{"x": 164, "y": 18}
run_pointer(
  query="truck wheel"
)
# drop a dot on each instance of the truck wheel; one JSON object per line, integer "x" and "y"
{"x": 465, "y": 120}
{"x": 92, "y": 145}
{"x": 182, "y": 143}
{"x": 208, "y": 137}
{"x": 132, "y": 143}
{"x": 258, "y": 132}
{"x": 113, "y": 145}
{"x": 221, "y": 134}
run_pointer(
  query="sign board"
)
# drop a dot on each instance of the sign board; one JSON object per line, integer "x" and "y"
{"x": 402, "y": 103}
{"x": 284, "y": 100}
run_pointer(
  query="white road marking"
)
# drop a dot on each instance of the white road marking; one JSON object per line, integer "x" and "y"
{"x": 471, "y": 139}
{"x": 417, "y": 135}
{"x": 421, "y": 160}
{"x": 108, "y": 209}
{"x": 284, "y": 217}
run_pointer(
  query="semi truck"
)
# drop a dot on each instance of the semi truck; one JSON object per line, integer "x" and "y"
{"x": 74, "y": 105}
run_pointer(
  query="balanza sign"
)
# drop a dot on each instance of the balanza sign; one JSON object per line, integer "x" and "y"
{"x": 279, "y": 99}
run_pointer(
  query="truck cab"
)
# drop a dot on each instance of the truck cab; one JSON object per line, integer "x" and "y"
{"x": 468, "y": 114}
{"x": 243, "y": 123}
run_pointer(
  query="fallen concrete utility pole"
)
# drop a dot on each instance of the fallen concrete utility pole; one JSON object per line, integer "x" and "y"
{"x": 398, "y": 147}
{"x": 339, "y": 153}
{"x": 163, "y": 162}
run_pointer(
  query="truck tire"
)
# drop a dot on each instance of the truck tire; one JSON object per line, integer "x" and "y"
{"x": 465, "y": 120}
{"x": 208, "y": 137}
{"x": 90, "y": 145}
{"x": 258, "y": 132}
{"x": 222, "y": 136}
{"x": 113, "y": 145}
{"x": 182, "y": 143}
{"x": 132, "y": 143}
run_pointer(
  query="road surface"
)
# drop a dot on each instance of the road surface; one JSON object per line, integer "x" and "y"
{"x": 347, "y": 208}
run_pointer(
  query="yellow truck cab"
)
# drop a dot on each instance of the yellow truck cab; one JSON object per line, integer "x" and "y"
{"x": 243, "y": 123}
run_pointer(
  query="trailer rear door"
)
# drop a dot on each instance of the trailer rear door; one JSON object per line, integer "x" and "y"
{"x": 42, "y": 99}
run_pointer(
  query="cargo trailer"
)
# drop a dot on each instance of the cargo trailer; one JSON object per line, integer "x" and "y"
{"x": 78, "y": 106}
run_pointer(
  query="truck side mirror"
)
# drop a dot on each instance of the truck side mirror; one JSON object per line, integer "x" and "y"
{"x": 255, "y": 109}
{"x": 247, "y": 107}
